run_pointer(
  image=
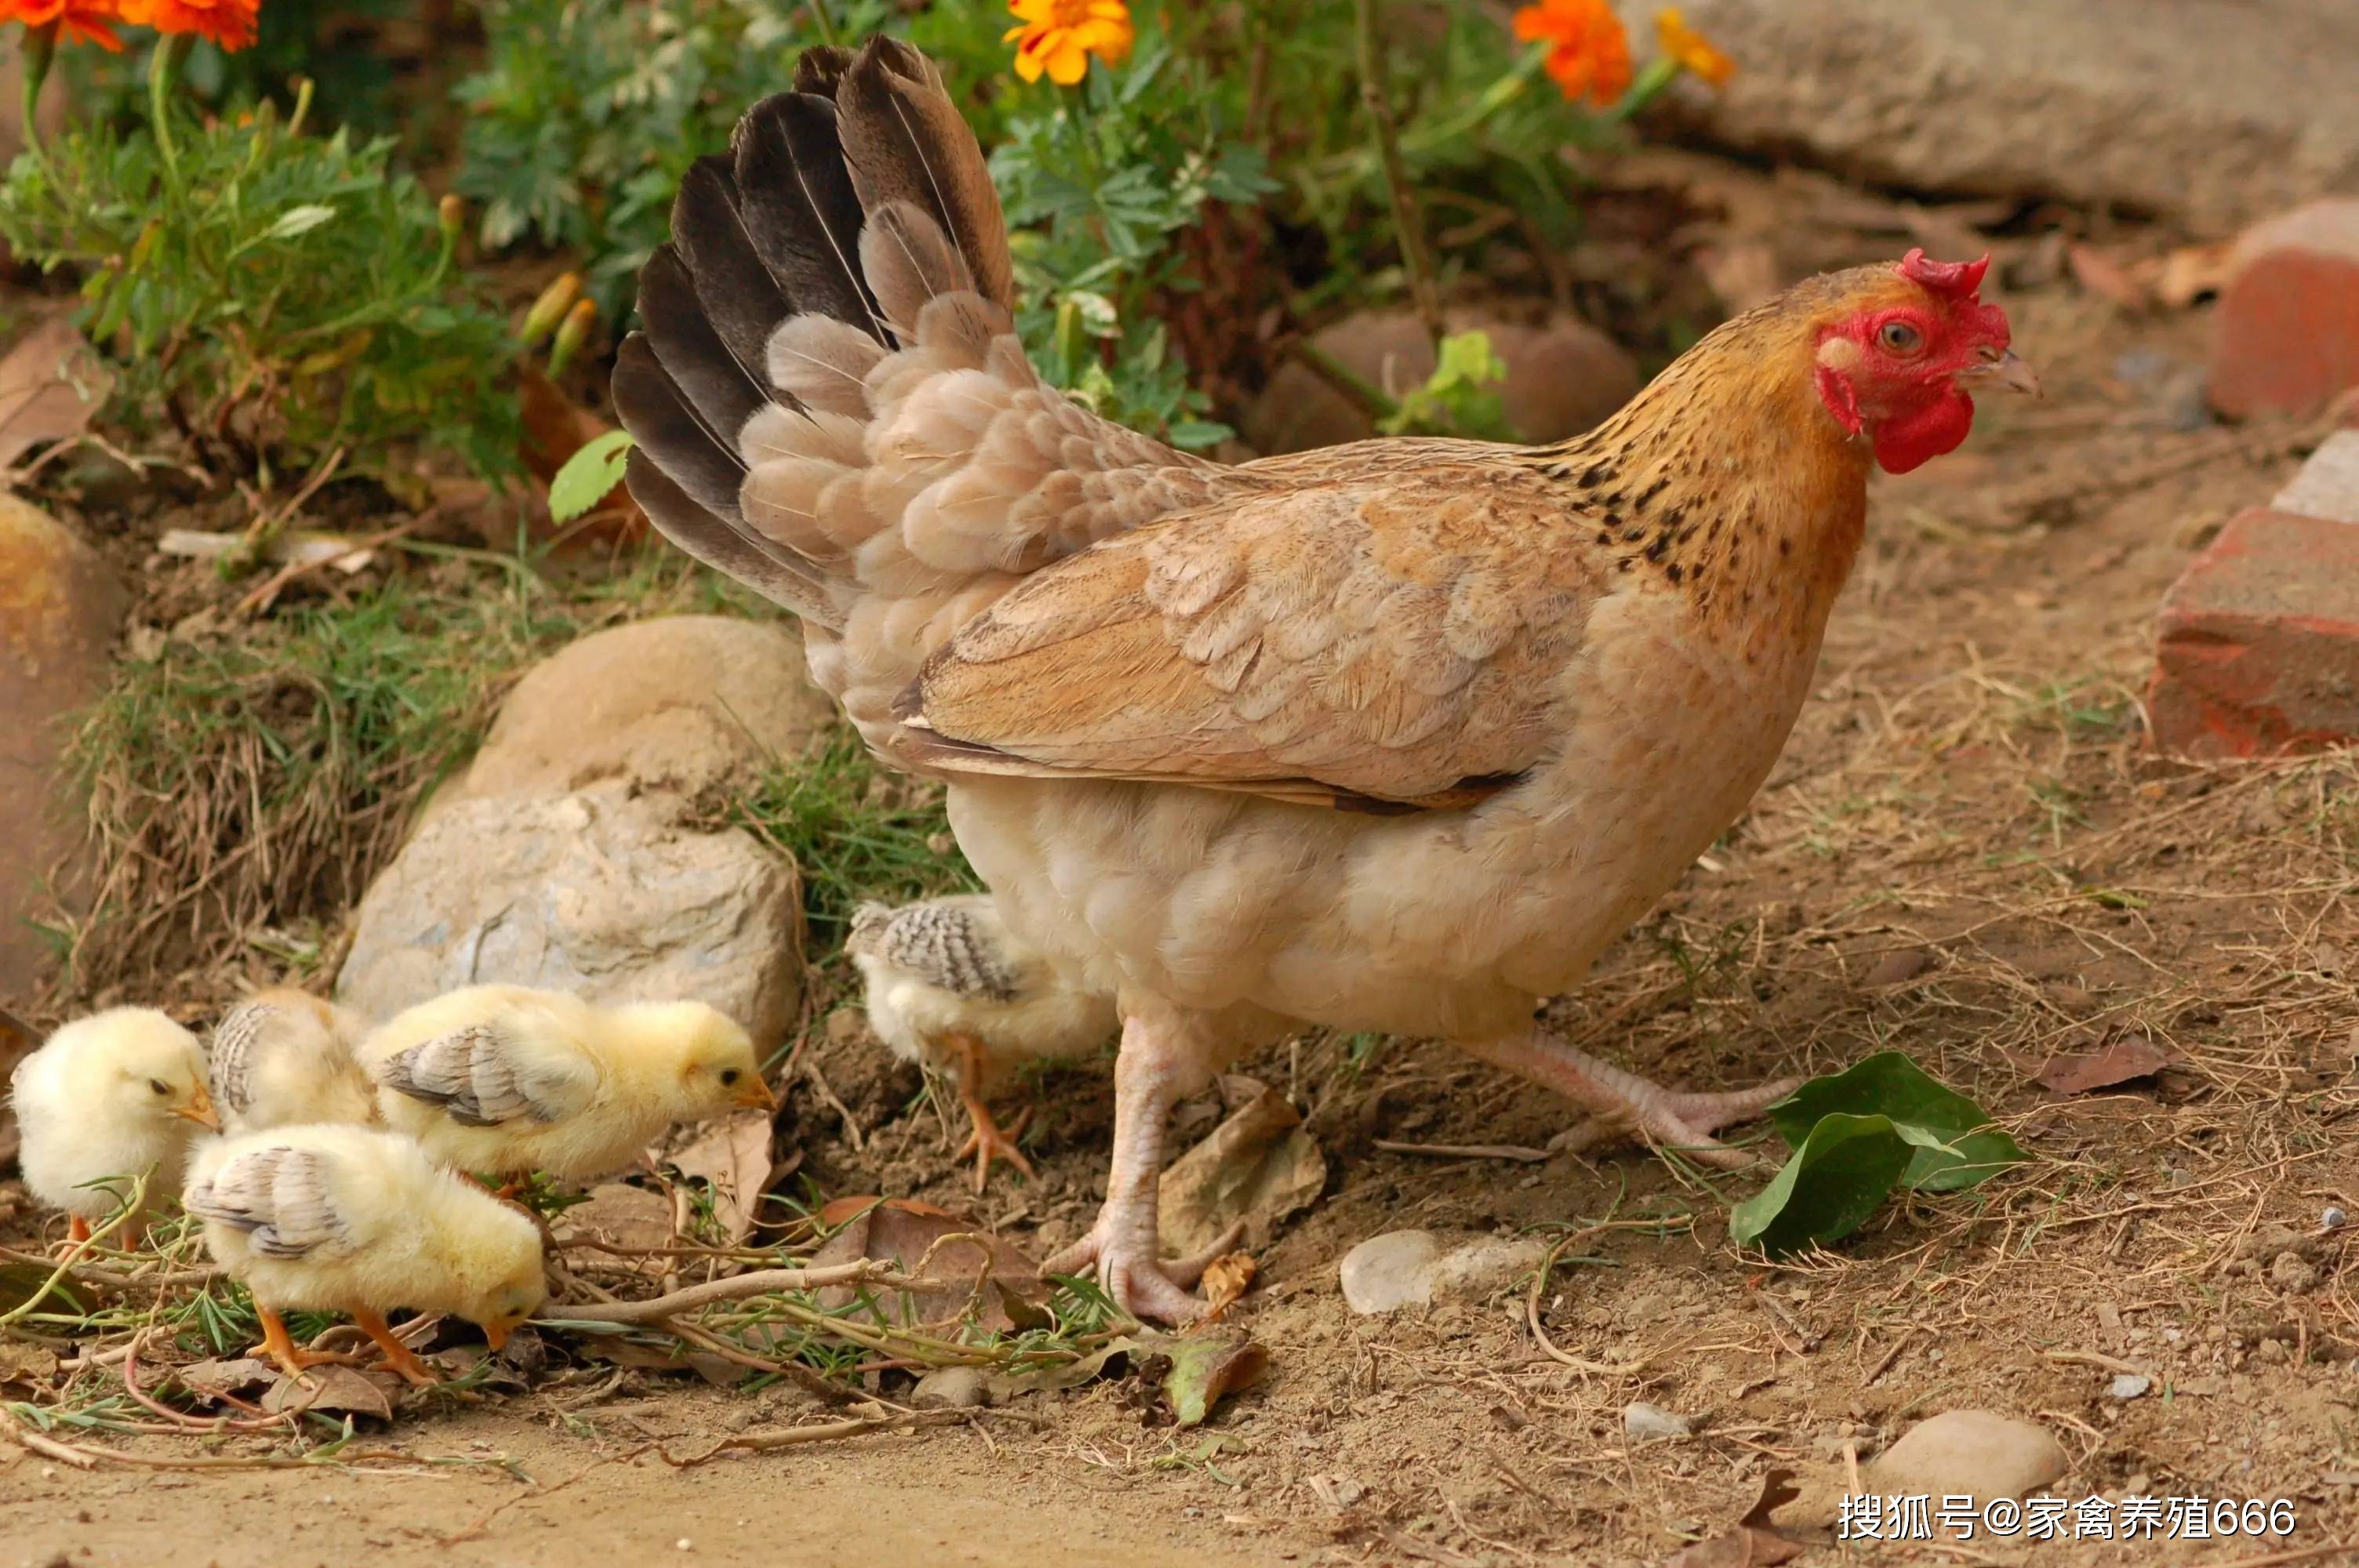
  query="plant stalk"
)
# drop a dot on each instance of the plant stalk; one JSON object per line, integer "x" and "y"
{"x": 1406, "y": 218}
{"x": 163, "y": 71}
{"x": 41, "y": 49}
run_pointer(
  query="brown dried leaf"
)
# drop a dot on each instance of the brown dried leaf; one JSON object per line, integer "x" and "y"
{"x": 332, "y": 1389}
{"x": 31, "y": 1365}
{"x": 1225, "y": 1279}
{"x": 1752, "y": 1543}
{"x": 732, "y": 1157}
{"x": 233, "y": 1375}
{"x": 1205, "y": 1369}
{"x": 906, "y": 1232}
{"x": 620, "y": 1215}
{"x": 555, "y": 428}
{"x": 50, "y": 385}
{"x": 2120, "y": 1060}
{"x": 1258, "y": 1165}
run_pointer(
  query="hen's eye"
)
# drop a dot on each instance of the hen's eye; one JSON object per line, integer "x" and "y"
{"x": 1900, "y": 338}
{"x": 160, "y": 1085}
{"x": 729, "y": 1076}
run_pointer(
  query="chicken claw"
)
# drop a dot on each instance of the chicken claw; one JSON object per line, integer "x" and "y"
{"x": 1122, "y": 1250}
{"x": 988, "y": 1141}
{"x": 1622, "y": 1102}
{"x": 280, "y": 1347}
{"x": 397, "y": 1355}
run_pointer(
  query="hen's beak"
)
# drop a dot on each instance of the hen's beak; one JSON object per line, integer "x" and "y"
{"x": 2009, "y": 370}
{"x": 756, "y": 1096}
{"x": 200, "y": 1110}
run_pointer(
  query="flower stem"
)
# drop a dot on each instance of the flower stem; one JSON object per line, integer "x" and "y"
{"x": 823, "y": 22}
{"x": 41, "y": 48}
{"x": 163, "y": 71}
{"x": 1660, "y": 73}
{"x": 1406, "y": 218}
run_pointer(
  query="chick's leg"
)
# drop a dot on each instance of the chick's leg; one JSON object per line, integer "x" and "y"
{"x": 1159, "y": 1064}
{"x": 1623, "y": 1102}
{"x": 280, "y": 1347}
{"x": 987, "y": 1140}
{"x": 77, "y": 1231}
{"x": 397, "y": 1355}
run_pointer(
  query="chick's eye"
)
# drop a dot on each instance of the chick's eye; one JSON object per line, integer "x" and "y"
{"x": 1899, "y": 337}
{"x": 160, "y": 1085}
{"x": 729, "y": 1076}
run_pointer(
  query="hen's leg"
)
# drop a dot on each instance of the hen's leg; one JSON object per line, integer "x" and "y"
{"x": 1623, "y": 1102}
{"x": 1158, "y": 1066}
{"x": 987, "y": 1140}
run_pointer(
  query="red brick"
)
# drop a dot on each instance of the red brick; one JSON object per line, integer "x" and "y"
{"x": 2285, "y": 335}
{"x": 2260, "y": 648}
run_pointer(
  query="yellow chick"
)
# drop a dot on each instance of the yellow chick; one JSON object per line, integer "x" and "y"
{"x": 506, "y": 1080}
{"x": 110, "y": 1096}
{"x": 359, "y": 1220}
{"x": 947, "y": 985}
{"x": 283, "y": 1056}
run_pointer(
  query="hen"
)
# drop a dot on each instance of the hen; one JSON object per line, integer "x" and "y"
{"x": 948, "y": 984}
{"x": 1396, "y": 736}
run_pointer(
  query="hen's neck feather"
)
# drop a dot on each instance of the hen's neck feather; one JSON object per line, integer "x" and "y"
{"x": 1728, "y": 477}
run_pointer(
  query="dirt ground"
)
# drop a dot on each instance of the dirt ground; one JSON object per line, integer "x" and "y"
{"x": 1964, "y": 855}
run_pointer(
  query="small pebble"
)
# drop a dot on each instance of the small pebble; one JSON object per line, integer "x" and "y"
{"x": 1644, "y": 1422}
{"x": 2129, "y": 1385}
{"x": 2332, "y": 1220}
{"x": 683, "y": 1544}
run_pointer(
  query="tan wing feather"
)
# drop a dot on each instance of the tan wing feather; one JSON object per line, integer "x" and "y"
{"x": 1378, "y": 642}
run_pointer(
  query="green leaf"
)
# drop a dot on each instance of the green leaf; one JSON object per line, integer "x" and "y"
{"x": 1840, "y": 1173}
{"x": 588, "y": 475}
{"x": 1207, "y": 1367}
{"x": 300, "y": 221}
{"x": 1956, "y": 1145}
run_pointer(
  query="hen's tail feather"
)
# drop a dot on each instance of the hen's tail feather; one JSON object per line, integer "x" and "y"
{"x": 733, "y": 551}
{"x": 740, "y": 295}
{"x": 800, "y": 210}
{"x": 907, "y": 143}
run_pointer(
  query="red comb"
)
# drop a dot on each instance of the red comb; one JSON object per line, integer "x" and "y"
{"x": 1959, "y": 279}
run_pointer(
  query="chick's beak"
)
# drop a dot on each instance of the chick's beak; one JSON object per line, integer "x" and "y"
{"x": 497, "y": 1337}
{"x": 2007, "y": 369}
{"x": 199, "y": 1110}
{"x": 756, "y": 1096}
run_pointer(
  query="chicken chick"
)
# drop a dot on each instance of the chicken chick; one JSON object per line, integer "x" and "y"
{"x": 506, "y": 1080}
{"x": 284, "y": 1056}
{"x": 360, "y": 1221}
{"x": 949, "y": 986}
{"x": 112, "y": 1096}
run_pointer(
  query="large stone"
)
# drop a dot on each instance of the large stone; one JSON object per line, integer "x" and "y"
{"x": 1979, "y": 1453}
{"x": 2327, "y": 486}
{"x": 678, "y": 704}
{"x": 2285, "y": 338}
{"x": 2259, "y": 647}
{"x": 1563, "y": 378}
{"x": 604, "y": 894}
{"x": 2214, "y": 114}
{"x": 59, "y": 610}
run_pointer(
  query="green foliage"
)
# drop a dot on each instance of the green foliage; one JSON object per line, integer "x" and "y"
{"x": 1460, "y": 397}
{"x": 593, "y": 471}
{"x": 1855, "y": 1136}
{"x": 269, "y": 295}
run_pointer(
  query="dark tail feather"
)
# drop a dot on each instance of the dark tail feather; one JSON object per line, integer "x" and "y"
{"x": 906, "y": 141}
{"x": 728, "y": 548}
{"x": 799, "y": 208}
{"x": 740, "y": 298}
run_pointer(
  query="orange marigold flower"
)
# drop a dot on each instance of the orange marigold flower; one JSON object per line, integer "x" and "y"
{"x": 77, "y": 21}
{"x": 1692, "y": 48}
{"x": 1058, "y": 36}
{"x": 1589, "y": 55}
{"x": 229, "y": 23}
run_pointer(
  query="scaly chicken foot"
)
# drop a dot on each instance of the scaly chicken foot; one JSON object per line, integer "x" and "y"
{"x": 986, "y": 1140}
{"x": 1621, "y": 1102}
{"x": 397, "y": 1355}
{"x": 280, "y": 1347}
{"x": 1151, "y": 1074}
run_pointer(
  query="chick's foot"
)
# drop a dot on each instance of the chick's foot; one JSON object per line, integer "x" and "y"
{"x": 990, "y": 1141}
{"x": 397, "y": 1355}
{"x": 279, "y": 1346}
{"x": 1622, "y": 1103}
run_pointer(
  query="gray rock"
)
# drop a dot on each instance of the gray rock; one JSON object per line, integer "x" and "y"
{"x": 951, "y": 1388}
{"x": 604, "y": 894}
{"x": 2239, "y": 110}
{"x": 1979, "y": 1452}
{"x": 2328, "y": 485}
{"x": 1563, "y": 376}
{"x": 1416, "y": 1268}
{"x": 1644, "y": 1422}
{"x": 2129, "y": 1385}
{"x": 59, "y": 610}
{"x": 678, "y": 704}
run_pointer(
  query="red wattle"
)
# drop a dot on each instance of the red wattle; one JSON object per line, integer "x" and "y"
{"x": 1910, "y": 440}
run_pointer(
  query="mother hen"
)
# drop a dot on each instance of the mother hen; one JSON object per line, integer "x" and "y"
{"x": 1392, "y": 736}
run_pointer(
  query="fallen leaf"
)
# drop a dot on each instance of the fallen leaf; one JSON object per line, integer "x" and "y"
{"x": 338, "y": 1389}
{"x": 2118, "y": 1060}
{"x": 1754, "y": 1543}
{"x": 904, "y": 1232}
{"x": 33, "y": 1366}
{"x": 555, "y": 428}
{"x": 621, "y": 1215}
{"x": 1225, "y": 1279}
{"x": 1205, "y": 1369}
{"x": 1258, "y": 1165}
{"x": 842, "y": 1211}
{"x": 1897, "y": 968}
{"x": 733, "y": 1158}
{"x": 50, "y": 385}
{"x": 233, "y": 1375}
{"x": 2103, "y": 276}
